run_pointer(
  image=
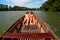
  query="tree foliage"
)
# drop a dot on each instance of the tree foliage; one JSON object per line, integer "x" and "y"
{"x": 15, "y": 8}
{"x": 51, "y": 5}
{"x": 3, "y": 7}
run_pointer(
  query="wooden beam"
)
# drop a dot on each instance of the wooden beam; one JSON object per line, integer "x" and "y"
{"x": 27, "y": 35}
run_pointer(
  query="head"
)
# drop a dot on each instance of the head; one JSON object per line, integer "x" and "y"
{"x": 27, "y": 12}
{"x": 31, "y": 12}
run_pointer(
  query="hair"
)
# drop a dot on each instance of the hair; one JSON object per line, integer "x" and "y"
{"x": 31, "y": 12}
{"x": 27, "y": 12}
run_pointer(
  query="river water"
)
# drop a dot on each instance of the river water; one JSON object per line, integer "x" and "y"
{"x": 7, "y": 18}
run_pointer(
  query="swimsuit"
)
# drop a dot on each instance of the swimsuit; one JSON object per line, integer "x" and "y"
{"x": 31, "y": 17}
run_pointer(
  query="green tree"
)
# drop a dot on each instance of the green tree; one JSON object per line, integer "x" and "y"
{"x": 51, "y": 5}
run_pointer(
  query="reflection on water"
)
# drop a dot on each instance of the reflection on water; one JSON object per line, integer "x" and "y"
{"x": 7, "y": 18}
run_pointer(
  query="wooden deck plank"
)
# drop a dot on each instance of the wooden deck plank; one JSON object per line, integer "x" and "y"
{"x": 27, "y": 35}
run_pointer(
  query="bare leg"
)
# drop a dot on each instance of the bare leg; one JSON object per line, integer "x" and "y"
{"x": 24, "y": 21}
{"x": 27, "y": 21}
{"x": 30, "y": 21}
{"x": 34, "y": 21}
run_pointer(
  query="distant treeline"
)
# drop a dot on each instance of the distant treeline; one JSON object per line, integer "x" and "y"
{"x": 51, "y": 5}
{"x": 15, "y": 8}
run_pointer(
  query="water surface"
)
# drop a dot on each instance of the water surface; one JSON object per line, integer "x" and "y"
{"x": 7, "y": 18}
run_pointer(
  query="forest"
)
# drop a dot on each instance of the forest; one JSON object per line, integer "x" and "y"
{"x": 15, "y": 8}
{"x": 51, "y": 5}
